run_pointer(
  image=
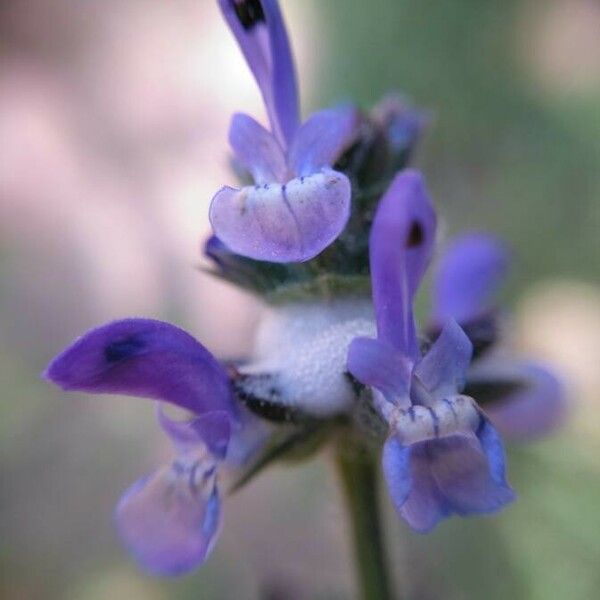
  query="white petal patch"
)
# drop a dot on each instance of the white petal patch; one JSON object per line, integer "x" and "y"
{"x": 305, "y": 348}
{"x": 290, "y": 222}
{"x": 443, "y": 418}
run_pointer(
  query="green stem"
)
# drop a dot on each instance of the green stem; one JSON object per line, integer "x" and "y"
{"x": 358, "y": 470}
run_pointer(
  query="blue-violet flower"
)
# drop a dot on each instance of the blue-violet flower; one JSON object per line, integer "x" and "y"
{"x": 442, "y": 455}
{"x": 169, "y": 519}
{"x": 298, "y": 204}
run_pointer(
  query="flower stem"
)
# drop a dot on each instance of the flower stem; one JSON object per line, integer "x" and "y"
{"x": 358, "y": 470}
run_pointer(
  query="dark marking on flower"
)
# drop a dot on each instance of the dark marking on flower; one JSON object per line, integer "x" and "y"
{"x": 435, "y": 421}
{"x": 416, "y": 235}
{"x": 451, "y": 407}
{"x": 411, "y": 413}
{"x": 123, "y": 349}
{"x": 209, "y": 472}
{"x": 480, "y": 426}
{"x": 249, "y": 13}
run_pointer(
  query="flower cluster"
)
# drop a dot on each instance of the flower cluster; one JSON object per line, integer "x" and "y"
{"x": 332, "y": 216}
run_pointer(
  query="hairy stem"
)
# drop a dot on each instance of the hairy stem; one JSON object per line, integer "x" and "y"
{"x": 358, "y": 470}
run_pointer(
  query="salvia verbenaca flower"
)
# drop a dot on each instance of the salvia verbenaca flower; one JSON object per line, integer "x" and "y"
{"x": 298, "y": 205}
{"x": 442, "y": 455}
{"x": 335, "y": 236}
{"x": 169, "y": 519}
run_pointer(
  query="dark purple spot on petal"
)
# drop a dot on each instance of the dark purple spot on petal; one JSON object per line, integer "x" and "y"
{"x": 249, "y": 13}
{"x": 415, "y": 235}
{"x": 451, "y": 406}
{"x": 435, "y": 420}
{"x": 123, "y": 349}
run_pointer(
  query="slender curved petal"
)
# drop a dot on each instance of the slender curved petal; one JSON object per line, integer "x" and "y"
{"x": 376, "y": 364}
{"x": 257, "y": 150}
{"x": 144, "y": 357}
{"x": 260, "y": 32}
{"x": 401, "y": 244}
{"x": 532, "y": 411}
{"x": 170, "y": 520}
{"x": 443, "y": 369}
{"x": 283, "y": 223}
{"x": 322, "y": 138}
{"x": 470, "y": 272}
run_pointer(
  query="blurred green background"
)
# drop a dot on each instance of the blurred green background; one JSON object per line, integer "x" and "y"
{"x": 113, "y": 119}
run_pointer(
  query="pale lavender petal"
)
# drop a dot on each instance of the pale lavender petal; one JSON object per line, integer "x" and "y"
{"x": 411, "y": 485}
{"x": 257, "y": 150}
{"x": 461, "y": 474}
{"x": 322, "y": 138}
{"x": 534, "y": 411}
{"x": 401, "y": 243}
{"x": 212, "y": 429}
{"x": 283, "y": 223}
{"x": 248, "y": 439}
{"x": 170, "y": 520}
{"x": 260, "y": 32}
{"x": 144, "y": 357}
{"x": 443, "y": 369}
{"x": 470, "y": 471}
{"x": 374, "y": 363}
{"x": 470, "y": 272}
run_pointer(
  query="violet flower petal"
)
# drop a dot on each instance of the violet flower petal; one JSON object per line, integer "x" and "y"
{"x": 461, "y": 474}
{"x": 212, "y": 429}
{"x": 144, "y": 357}
{"x": 170, "y": 520}
{"x": 470, "y": 471}
{"x": 533, "y": 411}
{"x": 283, "y": 223}
{"x": 376, "y": 364}
{"x": 322, "y": 139}
{"x": 260, "y": 32}
{"x": 470, "y": 272}
{"x": 217, "y": 252}
{"x": 443, "y": 369}
{"x": 257, "y": 150}
{"x": 411, "y": 486}
{"x": 401, "y": 244}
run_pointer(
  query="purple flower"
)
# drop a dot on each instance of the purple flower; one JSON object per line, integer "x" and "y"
{"x": 469, "y": 274}
{"x": 169, "y": 520}
{"x": 298, "y": 205}
{"x": 442, "y": 455}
